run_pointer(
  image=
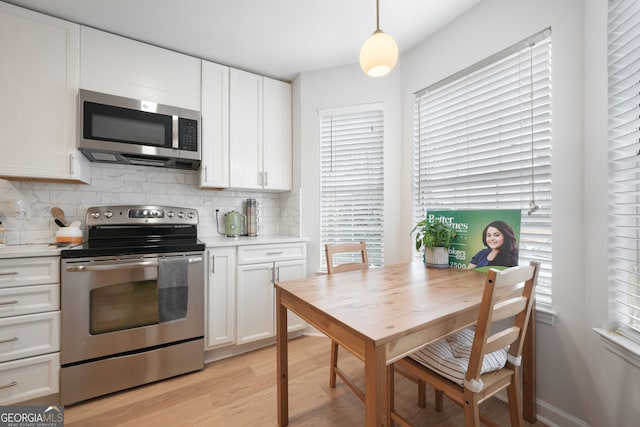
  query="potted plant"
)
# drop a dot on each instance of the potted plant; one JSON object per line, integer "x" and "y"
{"x": 435, "y": 237}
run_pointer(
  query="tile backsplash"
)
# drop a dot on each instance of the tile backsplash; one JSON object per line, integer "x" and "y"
{"x": 25, "y": 205}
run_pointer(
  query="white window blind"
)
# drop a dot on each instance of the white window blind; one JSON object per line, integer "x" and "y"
{"x": 352, "y": 180}
{"x": 624, "y": 165}
{"x": 482, "y": 140}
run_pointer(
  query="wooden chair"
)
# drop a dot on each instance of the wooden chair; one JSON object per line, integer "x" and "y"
{"x": 363, "y": 264}
{"x": 343, "y": 248}
{"x": 461, "y": 370}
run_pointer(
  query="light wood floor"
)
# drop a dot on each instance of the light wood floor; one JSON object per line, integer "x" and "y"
{"x": 241, "y": 391}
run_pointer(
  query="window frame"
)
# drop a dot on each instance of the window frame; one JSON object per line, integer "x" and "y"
{"x": 535, "y": 243}
{"x": 623, "y": 166}
{"x": 373, "y": 235}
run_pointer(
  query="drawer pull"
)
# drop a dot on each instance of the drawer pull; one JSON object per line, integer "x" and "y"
{"x": 9, "y": 273}
{"x": 8, "y": 340}
{"x": 14, "y": 301}
{"x": 11, "y": 384}
{"x": 275, "y": 253}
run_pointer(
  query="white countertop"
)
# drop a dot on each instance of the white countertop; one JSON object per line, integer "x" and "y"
{"x": 218, "y": 241}
{"x": 22, "y": 251}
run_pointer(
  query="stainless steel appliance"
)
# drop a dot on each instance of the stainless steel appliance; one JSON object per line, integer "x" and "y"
{"x": 132, "y": 300}
{"x": 114, "y": 129}
{"x": 251, "y": 207}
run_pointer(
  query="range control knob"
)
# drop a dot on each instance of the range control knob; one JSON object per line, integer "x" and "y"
{"x": 108, "y": 214}
{"x": 180, "y": 214}
{"x": 170, "y": 214}
{"x": 190, "y": 215}
{"x": 95, "y": 215}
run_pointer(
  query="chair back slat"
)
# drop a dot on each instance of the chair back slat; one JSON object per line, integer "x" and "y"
{"x": 501, "y": 339}
{"x": 493, "y": 330}
{"x": 342, "y": 248}
{"x": 509, "y": 308}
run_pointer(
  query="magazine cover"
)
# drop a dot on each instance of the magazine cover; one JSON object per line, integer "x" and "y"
{"x": 486, "y": 238}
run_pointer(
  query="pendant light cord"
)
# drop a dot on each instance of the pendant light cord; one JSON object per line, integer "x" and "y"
{"x": 377, "y": 15}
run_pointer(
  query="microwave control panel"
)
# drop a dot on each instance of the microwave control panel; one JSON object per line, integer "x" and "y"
{"x": 188, "y": 134}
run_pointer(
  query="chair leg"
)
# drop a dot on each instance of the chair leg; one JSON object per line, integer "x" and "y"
{"x": 471, "y": 410}
{"x": 422, "y": 394}
{"x": 439, "y": 401}
{"x": 513, "y": 396}
{"x": 334, "y": 364}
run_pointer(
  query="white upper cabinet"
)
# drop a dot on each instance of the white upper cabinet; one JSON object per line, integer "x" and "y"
{"x": 259, "y": 132}
{"x": 276, "y": 134}
{"x": 125, "y": 67}
{"x": 245, "y": 130}
{"x": 214, "y": 170}
{"x": 39, "y": 75}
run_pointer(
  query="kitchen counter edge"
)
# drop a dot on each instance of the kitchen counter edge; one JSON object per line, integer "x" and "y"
{"x": 223, "y": 241}
{"x": 26, "y": 251}
{"x": 41, "y": 250}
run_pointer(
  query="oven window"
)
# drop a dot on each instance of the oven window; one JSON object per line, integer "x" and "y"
{"x": 123, "y": 306}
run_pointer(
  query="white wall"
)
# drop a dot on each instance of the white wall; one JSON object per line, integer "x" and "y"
{"x": 579, "y": 382}
{"x": 340, "y": 87}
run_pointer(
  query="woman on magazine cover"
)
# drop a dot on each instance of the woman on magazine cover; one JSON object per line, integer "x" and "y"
{"x": 501, "y": 247}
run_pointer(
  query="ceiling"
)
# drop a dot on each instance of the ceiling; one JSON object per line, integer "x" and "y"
{"x": 276, "y": 38}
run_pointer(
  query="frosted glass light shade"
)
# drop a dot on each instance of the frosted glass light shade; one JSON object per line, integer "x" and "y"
{"x": 378, "y": 54}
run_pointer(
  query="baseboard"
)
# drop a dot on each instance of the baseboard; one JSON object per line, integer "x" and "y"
{"x": 554, "y": 417}
{"x": 550, "y": 415}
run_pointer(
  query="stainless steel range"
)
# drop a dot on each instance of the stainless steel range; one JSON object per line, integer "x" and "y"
{"x": 132, "y": 300}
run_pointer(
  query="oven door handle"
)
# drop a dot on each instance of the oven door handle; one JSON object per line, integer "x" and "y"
{"x": 120, "y": 266}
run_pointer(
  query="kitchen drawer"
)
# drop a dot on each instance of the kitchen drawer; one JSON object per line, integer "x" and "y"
{"x": 252, "y": 254}
{"x": 27, "y": 379}
{"x": 29, "y": 271}
{"x": 29, "y": 300}
{"x": 30, "y": 335}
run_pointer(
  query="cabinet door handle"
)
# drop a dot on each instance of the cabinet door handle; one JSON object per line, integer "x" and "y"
{"x": 266, "y": 178}
{"x": 213, "y": 264}
{"x": 13, "y": 301}
{"x": 275, "y": 253}
{"x": 206, "y": 174}
{"x": 8, "y": 340}
{"x": 71, "y": 164}
{"x": 11, "y": 384}
{"x": 10, "y": 273}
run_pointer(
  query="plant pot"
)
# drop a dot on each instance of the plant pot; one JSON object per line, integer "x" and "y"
{"x": 436, "y": 257}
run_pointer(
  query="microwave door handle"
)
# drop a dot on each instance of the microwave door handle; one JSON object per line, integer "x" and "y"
{"x": 175, "y": 134}
{"x": 120, "y": 266}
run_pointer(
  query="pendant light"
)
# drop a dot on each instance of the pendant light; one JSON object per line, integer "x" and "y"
{"x": 379, "y": 53}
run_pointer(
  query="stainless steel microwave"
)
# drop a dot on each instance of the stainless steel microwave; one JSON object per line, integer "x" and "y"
{"x": 114, "y": 129}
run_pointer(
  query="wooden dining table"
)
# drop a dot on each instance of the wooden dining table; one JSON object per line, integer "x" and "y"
{"x": 383, "y": 314}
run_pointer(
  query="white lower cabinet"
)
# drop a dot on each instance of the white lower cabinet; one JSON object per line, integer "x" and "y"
{"x": 221, "y": 301}
{"x": 29, "y": 328}
{"x": 255, "y": 317}
{"x": 25, "y": 379}
{"x": 240, "y": 297}
{"x": 259, "y": 266}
